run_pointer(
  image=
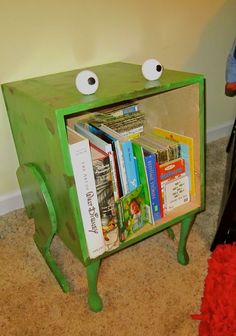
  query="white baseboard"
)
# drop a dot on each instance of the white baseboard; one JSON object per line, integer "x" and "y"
{"x": 10, "y": 202}
{"x": 13, "y": 201}
{"x": 221, "y": 131}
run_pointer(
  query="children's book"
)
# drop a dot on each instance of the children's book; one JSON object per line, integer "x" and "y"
{"x": 82, "y": 166}
{"x": 160, "y": 150}
{"x": 94, "y": 138}
{"x": 105, "y": 195}
{"x": 132, "y": 212}
{"x": 143, "y": 179}
{"x": 154, "y": 185}
{"x": 121, "y": 167}
{"x": 130, "y": 166}
{"x": 124, "y": 156}
{"x": 172, "y": 147}
{"x": 125, "y": 110}
{"x": 123, "y": 124}
{"x": 176, "y": 192}
{"x": 168, "y": 173}
{"x": 186, "y": 149}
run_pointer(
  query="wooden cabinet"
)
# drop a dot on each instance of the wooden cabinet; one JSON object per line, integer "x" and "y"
{"x": 39, "y": 109}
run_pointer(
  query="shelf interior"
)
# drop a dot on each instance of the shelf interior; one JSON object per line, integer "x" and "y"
{"x": 178, "y": 111}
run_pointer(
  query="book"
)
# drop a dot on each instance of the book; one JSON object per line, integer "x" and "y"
{"x": 160, "y": 150}
{"x": 130, "y": 165}
{"x": 123, "y": 110}
{"x": 167, "y": 174}
{"x": 125, "y": 157}
{"x": 105, "y": 195}
{"x": 117, "y": 154}
{"x": 132, "y": 212}
{"x": 118, "y": 109}
{"x": 176, "y": 192}
{"x": 125, "y": 124}
{"x": 129, "y": 134}
{"x": 93, "y": 136}
{"x": 143, "y": 179}
{"x": 186, "y": 149}
{"x": 82, "y": 166}
{"x": 154, "y": 185}
{"x": 173, "y": 148}
{"x": 171, "y": 169}
{"x": 121, "y": 167}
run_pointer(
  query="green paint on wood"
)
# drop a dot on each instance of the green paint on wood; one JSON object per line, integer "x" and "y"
{"x": 37, "y": 109}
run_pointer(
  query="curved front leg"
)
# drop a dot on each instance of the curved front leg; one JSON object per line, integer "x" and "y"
{"x": 182, "y": 254}
{"x": 94, "y": 300}
{"x": 39, "y": 205}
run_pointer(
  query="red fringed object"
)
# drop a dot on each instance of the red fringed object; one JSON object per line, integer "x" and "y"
{"x": 218, "y": 308}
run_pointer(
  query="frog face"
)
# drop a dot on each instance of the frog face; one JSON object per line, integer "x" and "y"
{"x": 87, "y": 81}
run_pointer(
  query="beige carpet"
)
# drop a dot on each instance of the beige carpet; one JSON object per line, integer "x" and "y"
{"x": 144, "y": 290}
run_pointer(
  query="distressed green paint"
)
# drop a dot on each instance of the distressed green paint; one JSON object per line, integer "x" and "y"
{"x": 37, "y": 109}
{"x": 182, "y": 254}
{"x": 94, "y": 300}
{"x": 39, "y": 205}
{"x": 202, "y": 140}
{"x": 42, "y": 147}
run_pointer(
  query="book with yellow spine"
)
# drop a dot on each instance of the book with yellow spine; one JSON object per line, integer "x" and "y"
{"x": 187, "y": 150}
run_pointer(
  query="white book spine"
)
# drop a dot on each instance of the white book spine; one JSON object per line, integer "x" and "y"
{"x": 121, "y": 166}
{"x": 87, "y": 196}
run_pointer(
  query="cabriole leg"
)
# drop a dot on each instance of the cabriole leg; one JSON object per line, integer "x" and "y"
{"x": 94, "y": 300}
{"x": 182, "y": 254}
{"x": 39, "y": 205}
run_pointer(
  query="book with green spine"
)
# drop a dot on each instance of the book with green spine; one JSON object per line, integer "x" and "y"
{"x": 138, "y": 153}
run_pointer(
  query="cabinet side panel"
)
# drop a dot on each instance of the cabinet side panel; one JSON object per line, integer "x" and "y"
{"x": 37, "y": 141}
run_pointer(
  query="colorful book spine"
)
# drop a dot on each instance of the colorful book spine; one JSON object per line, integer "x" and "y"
{"x": 174, "y": 184}
{"x": 155, "y": 195}
{"x": 131, "y": 210}
{"x": 121, "y": 167}
{"x": 129, "y": 163}
{"x": 160, "y": 190}
{"x": 93, "y": 135}
{"x": 138, "y": 153}
{"x": 105, "y": 195}
{"x": 181, "y": 139}
{"x": 125, "y": 110}
{"x": 184, "y": 153}
{"x": 176, "y": 192}
{"x": 172, "y": 169}
{"x": 87, "y": 195}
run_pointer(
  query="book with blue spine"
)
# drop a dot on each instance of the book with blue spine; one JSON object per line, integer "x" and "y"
{"x": 125, "y": 158}
{"x": 154, "y": 187}
{"x": 184, "y": 153}
{"x": 129, "y": 162}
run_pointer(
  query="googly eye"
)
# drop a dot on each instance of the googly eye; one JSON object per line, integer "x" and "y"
{"x": 86, "y": 82}
{"x": 152, "y": 69}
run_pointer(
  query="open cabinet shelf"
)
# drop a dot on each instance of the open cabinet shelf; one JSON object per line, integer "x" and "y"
{"x": 39, "y": 111}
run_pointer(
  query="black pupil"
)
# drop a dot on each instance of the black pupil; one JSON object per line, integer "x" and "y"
{"x": 158, "y": 67}
{"x": 91, "y": 81}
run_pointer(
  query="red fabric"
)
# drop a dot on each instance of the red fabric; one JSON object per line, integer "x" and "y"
{"x": 218, "y": 308}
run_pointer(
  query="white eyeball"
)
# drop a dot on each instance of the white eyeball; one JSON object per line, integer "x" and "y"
{"x": 152, "y": 69}
{"x": 87, "y": 82}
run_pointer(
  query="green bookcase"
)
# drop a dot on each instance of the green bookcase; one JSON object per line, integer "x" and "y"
{"x": 38, "y": 110}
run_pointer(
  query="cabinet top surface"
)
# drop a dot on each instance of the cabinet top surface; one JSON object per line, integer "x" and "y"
{"x": 117, "y": 82}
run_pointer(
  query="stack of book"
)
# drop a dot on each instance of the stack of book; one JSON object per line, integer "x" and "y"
{"x": 126, "y": 120}
{"x": 137, "y": 177}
